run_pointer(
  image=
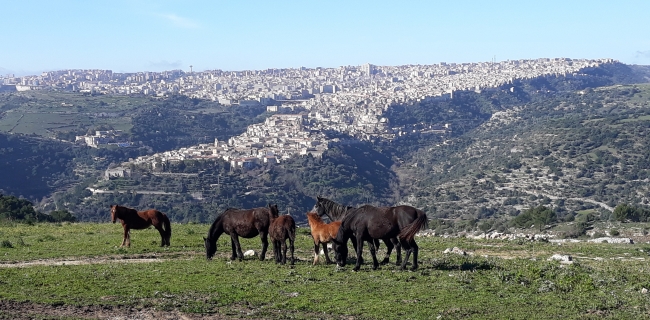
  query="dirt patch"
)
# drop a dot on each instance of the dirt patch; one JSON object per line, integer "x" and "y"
{"x": 95, "y": 260}
{"x": 28, "y": 310}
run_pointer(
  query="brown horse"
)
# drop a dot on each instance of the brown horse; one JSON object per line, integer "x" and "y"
{"x": 323, "y": 233}
{"x": 133, "y": 219}
{"x": 247, "y": 223}
{"x": 281, "y": 229}
{"x": 337, "y": 212}
{"x": 368, "y": 222}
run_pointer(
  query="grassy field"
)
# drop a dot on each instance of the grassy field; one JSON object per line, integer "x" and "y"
{"x": 81, "y": 266}
{"x": 44, "y": 113}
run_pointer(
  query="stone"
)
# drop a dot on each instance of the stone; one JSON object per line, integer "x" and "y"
{"x": 563, "y": 258}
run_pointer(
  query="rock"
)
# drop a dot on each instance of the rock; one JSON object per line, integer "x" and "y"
{"x": 644, "y": 291}
{"x": 455, "y": 250}
{"x": 611, "y": 240}
{"x": 563, "y": 258}
{"x": 249, "y": 253}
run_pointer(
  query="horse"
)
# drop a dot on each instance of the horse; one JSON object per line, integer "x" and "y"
{"x": 133, "y": 219}
{"x": 368, "y": 222}
{"x": 336, "y": 212}
{"x": 246, "y": 223}
{"x": 281, "y": 229}
{"x": 323, "y": 233}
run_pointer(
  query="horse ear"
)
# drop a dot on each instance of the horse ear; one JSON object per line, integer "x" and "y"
{"x": 204, "y": 239}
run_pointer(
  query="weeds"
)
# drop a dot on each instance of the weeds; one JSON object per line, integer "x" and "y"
{"x": 511, "y": 282}
{"x": 6, "y": 244}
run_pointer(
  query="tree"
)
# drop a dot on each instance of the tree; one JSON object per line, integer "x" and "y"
{"x": 624, "y": 212}
{"x": 539, "y": 216}
{"x": 62, "y": 215}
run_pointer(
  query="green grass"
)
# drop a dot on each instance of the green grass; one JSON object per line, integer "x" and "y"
{"x": 501, "y": 280}
{"x": 48, "y": 112}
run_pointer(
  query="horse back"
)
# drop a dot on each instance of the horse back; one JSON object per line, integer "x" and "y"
{"x": 141, "y": 219}
{"x": 246, "y": 223}
{"x": 282, "y": 227}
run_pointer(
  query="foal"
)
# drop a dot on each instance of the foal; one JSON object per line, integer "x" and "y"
{"x": 322, "y": 233}
{"x": 281, "y": 229}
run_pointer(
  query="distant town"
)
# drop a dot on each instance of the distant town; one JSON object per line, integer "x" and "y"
{"x": 348, "y": 99}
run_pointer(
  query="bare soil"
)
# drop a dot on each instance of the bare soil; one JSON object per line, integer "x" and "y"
{"x": 28, "y": 310}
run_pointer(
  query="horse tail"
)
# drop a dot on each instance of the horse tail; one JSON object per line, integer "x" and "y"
{"x": 292, "y": 230}
{"x": 408, "y": 233}
{"x": 167, "y": 227}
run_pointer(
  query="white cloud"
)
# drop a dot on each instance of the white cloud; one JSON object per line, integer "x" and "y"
{"x": 179, "y": 21}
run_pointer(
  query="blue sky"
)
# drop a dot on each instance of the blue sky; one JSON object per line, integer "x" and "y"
{"x": 144, "y": 35}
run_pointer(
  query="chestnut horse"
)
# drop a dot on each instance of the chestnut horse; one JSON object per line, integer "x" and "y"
{"x": 281, "y": 229}
{"x": 323, "y": 233}
{"x": 133, "y": 219}
{"x": 247, "y": 223}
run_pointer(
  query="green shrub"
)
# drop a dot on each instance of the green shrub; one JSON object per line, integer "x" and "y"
{"x": 6, "y": 244}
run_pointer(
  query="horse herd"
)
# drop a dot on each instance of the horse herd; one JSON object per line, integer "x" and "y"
{"x": 395, "y": 226}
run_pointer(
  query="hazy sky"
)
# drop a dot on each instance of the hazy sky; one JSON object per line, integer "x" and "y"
{"x": 147, "y": 35}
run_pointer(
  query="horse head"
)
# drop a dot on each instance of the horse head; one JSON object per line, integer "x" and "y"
{"x": 319, "y": 208}
{"x": 114, "y": 213}
{"x": 340, "y": 246}
{"x": 273, "y": 208}
{"x": 210, "y": 248}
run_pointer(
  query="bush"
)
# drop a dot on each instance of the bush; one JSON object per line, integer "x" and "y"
{"x": 6, "y": 244}
{"x": 539, "y": 216}
{"x": 578, "y": 229}
{"x": 614, "y": 233}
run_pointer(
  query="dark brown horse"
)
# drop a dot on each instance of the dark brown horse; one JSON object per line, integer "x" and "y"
{"x": 133, "y": 219}
{"x": 336, "y": 212}
{"x": 368, "y": 222}
{"x": 246, "y": 223}
{"x": 322, "y": 233}
{"x": 281, "y": 229}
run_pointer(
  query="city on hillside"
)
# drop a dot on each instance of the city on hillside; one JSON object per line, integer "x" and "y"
{"x": 348, "y": 99}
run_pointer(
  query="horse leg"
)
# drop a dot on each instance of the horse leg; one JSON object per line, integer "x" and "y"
{"x": 414, "y": 247}
{"x": 327, "y": 255}
{"x": 291, "y": 249}
{"x": 389, "y": 250}
{"x": 128, "y": 239}
{"x": 354, "y": 245}
{"x": 398, "y": 250}
{"x": 359, "y": 251}
{"x": 126, "y": 233}
{"x": 265, "y": 244}
{"x": 284, "y": 251}
{"x": 316, "y": 247}
{"x": 235, "y": 239}
{"x": 276, "y": 251}
{"x": 162, "y": 233}
{"x": 408, "y": 249}
{"x": 373, "y": 254}
{"x": 234, "y": 249}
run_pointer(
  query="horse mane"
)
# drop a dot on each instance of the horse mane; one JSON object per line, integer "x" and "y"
{"x": 313, "y": 216}
{"x": 338, "y": 211}
{"x": 124, "y": 209}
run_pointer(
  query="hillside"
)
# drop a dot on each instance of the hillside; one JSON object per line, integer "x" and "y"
{"x": 577, "y": 144}
{"x": 572, "y": 151}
